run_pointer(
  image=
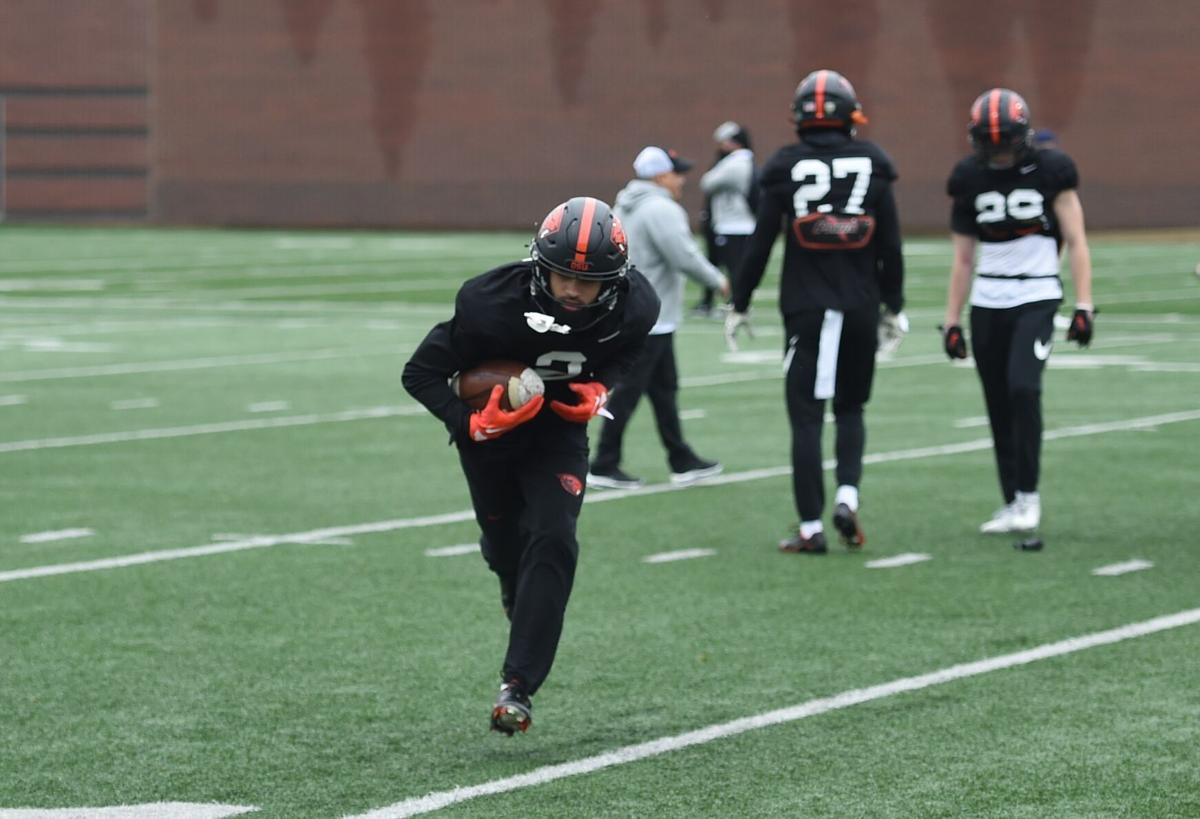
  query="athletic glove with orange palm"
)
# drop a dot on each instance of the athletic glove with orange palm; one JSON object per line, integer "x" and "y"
{"x": 592, "y": 397}
{"x": 492, "y": 421}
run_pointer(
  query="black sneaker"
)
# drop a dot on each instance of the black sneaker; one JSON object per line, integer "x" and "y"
{"x": 508, "y": 595}
{"x": 796, "y": 544}
{"x": 694, "y": 470}
{"x": 513, "y": 711}
{"x": 612, "y": 479}
{"x": 845, "y": 520}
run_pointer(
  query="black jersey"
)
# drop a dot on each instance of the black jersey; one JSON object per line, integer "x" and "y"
{"x": 832, "y": 194}
{"x": 1011, "y": 212}
{"x": 496, "y": 317}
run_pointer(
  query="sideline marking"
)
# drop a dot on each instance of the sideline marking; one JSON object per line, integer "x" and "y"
{"x": 265, "y": 541}
{"x": 58, "y": 534}
{"x": 269, "y": 406}
{"x": 682, "y": 554}
{"x": 153, "y": 810}
{"x": 451, "y": 551}
{"x": 902, "y": 559}
{"x": 632, "y": 753}
{"x": 1114, "y": 569}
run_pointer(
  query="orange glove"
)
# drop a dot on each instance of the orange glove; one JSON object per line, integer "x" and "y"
{"x": 492, "y": 422}
{"x": 592, "y": 397}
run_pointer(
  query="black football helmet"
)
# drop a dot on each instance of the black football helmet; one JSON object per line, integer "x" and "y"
{"x": 826, "y": 99}
{"x": 999, "y": 128}
{"x": 584, "y": 239}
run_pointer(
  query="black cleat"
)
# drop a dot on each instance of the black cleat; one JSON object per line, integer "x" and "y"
{"x": 513, "y": 711}
{"x": 796, "y": 544}
{"x": 845, "y": 520}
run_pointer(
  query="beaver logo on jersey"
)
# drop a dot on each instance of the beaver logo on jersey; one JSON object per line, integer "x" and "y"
{"x": 828, "y": 231}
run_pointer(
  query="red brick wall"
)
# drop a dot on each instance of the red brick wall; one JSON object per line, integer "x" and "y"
{"x": 484, "y": 113}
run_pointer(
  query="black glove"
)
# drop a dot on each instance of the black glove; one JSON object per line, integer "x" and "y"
{"x": 1080, "y": 330}
{"x": 953, "y": 341}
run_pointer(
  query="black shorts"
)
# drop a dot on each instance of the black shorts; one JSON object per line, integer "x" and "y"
{"x": 831, "y": 354}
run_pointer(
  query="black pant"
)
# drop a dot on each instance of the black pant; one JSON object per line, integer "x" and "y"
{"x": 527, "y": 489}
{"x": 1011, "y": 347}
{"x": 655, "y": 375}
{"x": 822, "y": 363}
{"x": 729, "y": 247}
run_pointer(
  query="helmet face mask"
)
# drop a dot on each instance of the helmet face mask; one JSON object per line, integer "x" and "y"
{"x": 581, "y": 238}
{"x": 826, "y": 99}
{"x": 999, "y": 130}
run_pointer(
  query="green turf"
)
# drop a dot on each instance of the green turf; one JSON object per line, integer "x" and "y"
{"x": 321, "y": 680}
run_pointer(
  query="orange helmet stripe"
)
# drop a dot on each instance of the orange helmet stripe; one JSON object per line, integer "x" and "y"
{"x": 994, "y": 115}
{"x": 819, "y": 102}
{"x": 585, "y": 233}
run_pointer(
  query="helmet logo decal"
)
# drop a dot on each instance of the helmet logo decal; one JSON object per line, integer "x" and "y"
{"x": 580, "y": 262}
{"x": 618, "y": 235}
{"x": 553, "y": 221}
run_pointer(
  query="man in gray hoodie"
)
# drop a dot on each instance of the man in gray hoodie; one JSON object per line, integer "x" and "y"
{"x": 661, "y": 247}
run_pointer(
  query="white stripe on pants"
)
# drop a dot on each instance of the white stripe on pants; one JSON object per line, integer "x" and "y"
{"x": 827, "y": 354}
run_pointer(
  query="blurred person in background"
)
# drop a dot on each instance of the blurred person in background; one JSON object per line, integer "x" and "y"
{"x": 1014, "y": 207}
{"x": 842, "y": 260}
{"x": 729, "y": 189}
{"x": 662, "y": 248}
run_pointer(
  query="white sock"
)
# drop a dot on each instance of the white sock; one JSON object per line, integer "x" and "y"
{"x": 808, "y": 528}
{"x": 848, "y": 495}
{"x": 1029, "y": 499}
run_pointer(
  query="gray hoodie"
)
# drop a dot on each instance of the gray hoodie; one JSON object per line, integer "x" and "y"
{"x": 662, "y": 248}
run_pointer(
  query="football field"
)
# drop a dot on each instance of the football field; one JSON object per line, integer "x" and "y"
{"x": 238, "y": 565}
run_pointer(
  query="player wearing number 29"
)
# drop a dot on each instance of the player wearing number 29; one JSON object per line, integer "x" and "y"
{"x": 579, "y": 314}
{"x": 832, "y": 193}
{"x": 1014, "y": 207}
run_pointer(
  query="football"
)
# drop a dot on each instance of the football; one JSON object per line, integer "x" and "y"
{"x": 474, "y": 386}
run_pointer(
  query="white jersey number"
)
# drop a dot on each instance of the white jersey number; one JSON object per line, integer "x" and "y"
{"x": 1022, "y": 204}
{"x": 557, "y": 365}
{"x": 815, "y": 175}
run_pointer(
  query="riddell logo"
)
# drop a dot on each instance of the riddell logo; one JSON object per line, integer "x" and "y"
{"x": 570, "y": 483}
{"x": 580, "y": 264}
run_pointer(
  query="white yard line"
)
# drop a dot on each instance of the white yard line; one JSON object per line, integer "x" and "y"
{"x": 268, "y": 406}
{"x": 150, "y": 810}
{"x": 845, "y": 699}
{"x": 178, "y": 365}
{"x": 58, "y": 534}
{"x": 134, "y": 403}
{"x": 1114, "y": 569}
{"x": 12, "y": 400}
{"x": 898, "y": 560}
{"x": 682, "y": 554}
{"x": 208, "y": 429}
{"x": 453, "y": 551}
{"x": 265, "y": 541}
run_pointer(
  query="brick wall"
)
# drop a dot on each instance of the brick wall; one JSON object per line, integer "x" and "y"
{"x": 485, "y": 113}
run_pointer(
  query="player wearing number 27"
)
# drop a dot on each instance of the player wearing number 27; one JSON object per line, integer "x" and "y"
{"x": 832, "y": 193}
{"x": 1014, "y": 207}
{"x": 579, "y": 314}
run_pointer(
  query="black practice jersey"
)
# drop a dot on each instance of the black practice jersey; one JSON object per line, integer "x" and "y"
{"x": 1011, "y": 212}
{"x": 496, "y": 317}
{"x": 832, "y": 195}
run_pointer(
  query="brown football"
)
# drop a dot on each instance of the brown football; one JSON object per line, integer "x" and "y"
{"x": 520, "y": 382}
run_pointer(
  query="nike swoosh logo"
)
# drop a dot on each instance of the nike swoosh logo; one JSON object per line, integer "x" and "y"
{"x": 1028, "y": 168}
{"x": 1041, "y": 351}
{"x": 609, "y": 337}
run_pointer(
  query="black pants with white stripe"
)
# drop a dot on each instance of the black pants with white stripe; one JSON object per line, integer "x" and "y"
{"x": 1011, "y": 347}
{"x": 527, "y": 489}
{"x": 830, "y": 354}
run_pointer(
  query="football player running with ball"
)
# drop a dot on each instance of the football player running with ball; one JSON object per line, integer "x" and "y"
{"x": 579, "y": 314}
{"x": 841, "y": 262}
{"x": 1014, "y": 208}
